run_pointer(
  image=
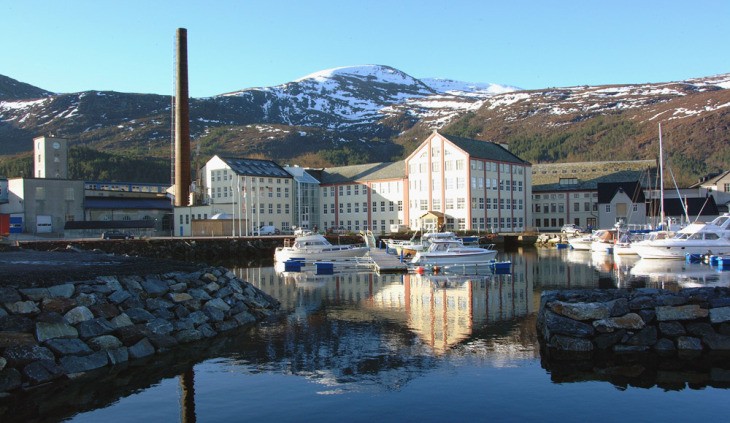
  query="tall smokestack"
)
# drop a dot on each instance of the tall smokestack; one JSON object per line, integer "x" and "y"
{"x": 182, "y": 123}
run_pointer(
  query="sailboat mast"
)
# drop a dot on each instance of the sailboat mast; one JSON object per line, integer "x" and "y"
{"x": 661, "y": 176}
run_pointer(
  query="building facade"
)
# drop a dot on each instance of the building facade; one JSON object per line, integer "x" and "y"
{"x": 565, "y": 193}
{"x": 362, "y": 197}
{"x": 250, "y": 193}
{"x": 477, "y": 185}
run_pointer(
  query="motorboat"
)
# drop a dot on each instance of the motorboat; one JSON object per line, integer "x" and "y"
{"x": 604, "y": 240}
{"x": 412, "y": 246}
{"x": 317, "y": 247}
{"x": 696, "y": 238}
{"x": 445, "y": 252}
{"x": 581, "y": 243}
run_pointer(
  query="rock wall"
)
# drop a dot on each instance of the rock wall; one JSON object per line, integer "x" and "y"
{"x": 63, "y": 330}
{"x": 692, "y": 320}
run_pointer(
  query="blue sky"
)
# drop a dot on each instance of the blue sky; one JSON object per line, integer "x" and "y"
{"x": 128, "y": 46}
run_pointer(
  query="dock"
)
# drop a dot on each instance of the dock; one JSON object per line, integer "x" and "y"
{"x": 387, "y": 263}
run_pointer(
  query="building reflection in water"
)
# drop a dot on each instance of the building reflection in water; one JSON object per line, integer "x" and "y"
{"x": 443, "y": 310}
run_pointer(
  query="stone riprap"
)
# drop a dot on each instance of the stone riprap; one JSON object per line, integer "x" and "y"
{"x": 584, "y": 322}
{"x": 60, "y": 331}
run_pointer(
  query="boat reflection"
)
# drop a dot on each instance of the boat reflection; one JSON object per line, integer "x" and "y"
{"x": 442, "y": 309}
{"x": 675, "y": 274}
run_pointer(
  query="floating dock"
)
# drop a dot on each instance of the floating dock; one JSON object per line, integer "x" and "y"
{"x": 387, "y": 263}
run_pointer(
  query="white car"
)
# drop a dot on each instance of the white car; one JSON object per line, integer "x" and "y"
{"x": 571, "y": 229}
{"x": 265, "y": 230}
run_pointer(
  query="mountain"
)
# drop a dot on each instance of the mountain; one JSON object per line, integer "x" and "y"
{"x": 10, "y": 89}
{"x": 367, "y": 113}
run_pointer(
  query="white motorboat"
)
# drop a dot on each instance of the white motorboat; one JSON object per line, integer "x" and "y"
{"x": 581, "y": 243}
{"x": 317, "y": 247}
{"x": 445, "y": 252}
{"x": 697, "y": 238}
{"x": 604, "y": 240}
{"x": 413, "y": 245}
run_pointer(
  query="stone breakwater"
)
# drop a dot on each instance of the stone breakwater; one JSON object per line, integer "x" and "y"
{"x": 64, "y": 330}
{"x": 691, "y": 321}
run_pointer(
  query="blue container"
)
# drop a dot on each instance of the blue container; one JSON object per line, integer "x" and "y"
{"x": 693, "y": 258}
{"x": 324, "y": 268}
{"x": 723, "y": 263}
{"x": 561, "y": 246}
{"x": 714, "y": 260}
{"x": 293, "y": 266}
{"x": 501, "y": 268}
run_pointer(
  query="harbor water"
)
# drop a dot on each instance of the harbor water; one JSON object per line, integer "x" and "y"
{"x": 361, "y": 347}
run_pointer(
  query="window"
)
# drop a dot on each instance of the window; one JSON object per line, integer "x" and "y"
{"x": 608, "y": 208}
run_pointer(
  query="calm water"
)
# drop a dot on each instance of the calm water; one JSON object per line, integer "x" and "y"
{"x": 363, "y": 347}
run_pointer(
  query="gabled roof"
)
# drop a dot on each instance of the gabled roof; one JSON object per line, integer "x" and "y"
{"x": 255, "y": 167}
{"x": 484, "y": 149}
{"x": 364, "y": 172}
{"x": 607, "y": 191}
{"x": 711, "y": 180}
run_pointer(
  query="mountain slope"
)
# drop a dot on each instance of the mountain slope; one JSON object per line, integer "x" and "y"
{"x": 10, "y": 89}
{"x": 367, "y": 113}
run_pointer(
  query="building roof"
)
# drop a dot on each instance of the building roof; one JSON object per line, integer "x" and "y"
{"x": 484, "y": 149}
{"x": 711, "y": 180}
{"x": 363, "y": 172}
{"x": 547, "y": 177}
{"x": 697, "y": 206}
{"x": 127, "y": 203}
{"x": 255, "y": 167}
{"x": 301, "y": 175}
{"x": 608, "y": 190}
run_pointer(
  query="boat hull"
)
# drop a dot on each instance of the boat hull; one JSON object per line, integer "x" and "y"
{"x": 669, "y": 249}
{"x": 336, "y": 252}
{"x": 441, "y": 259}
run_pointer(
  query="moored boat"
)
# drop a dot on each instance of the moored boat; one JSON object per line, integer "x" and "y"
{"x": 444, "y": 252}
{"x": 317, "y": 247}
{"x": 697, "y": 238}
{"x": 581, "y": 243}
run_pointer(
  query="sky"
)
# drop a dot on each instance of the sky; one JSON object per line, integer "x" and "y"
{"x": 128, "y": 46}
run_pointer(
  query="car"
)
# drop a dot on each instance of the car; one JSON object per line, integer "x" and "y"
{"x": 571, "y": 229}
{"x": 338, "y": 230}
{"x": 116, "y": 235}
{"x": 265, "y": 230}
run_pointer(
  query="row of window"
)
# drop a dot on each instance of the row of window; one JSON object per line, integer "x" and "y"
{"x": 224, "y": 192}
{"x": 476, "y": 204}
{"x": 554, "y": 196}
{"x": 356, "y": 207}
{"x": 354, "y": 189}
{"x": 356, "y": 225}
{"x": 224, "y": 175}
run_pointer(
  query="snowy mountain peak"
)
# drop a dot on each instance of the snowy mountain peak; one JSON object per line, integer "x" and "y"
{"x": 378, "y": 73}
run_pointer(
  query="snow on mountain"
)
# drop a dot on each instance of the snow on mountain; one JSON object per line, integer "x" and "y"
{"x": 356, "y": 95}
{"x": 450, "y": 86}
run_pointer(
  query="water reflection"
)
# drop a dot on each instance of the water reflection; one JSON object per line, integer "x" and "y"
{"x": 358, "y": 331}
